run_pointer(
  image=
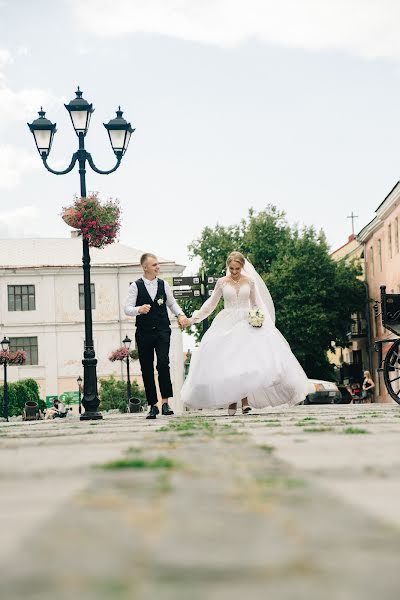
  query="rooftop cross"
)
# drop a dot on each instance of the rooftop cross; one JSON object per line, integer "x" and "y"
{"x": 352, "y": 217}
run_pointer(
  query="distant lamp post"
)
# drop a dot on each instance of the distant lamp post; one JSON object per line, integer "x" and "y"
{"x": 119, "y": 131}
{"x": 127, "y": 343}
{"x": 5, "y": 346}
{"x": 79, "y": 382}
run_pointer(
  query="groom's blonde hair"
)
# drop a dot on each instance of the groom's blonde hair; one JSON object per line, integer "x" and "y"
{"x": 145, "y": 256}
{"x": 237, "y": 256}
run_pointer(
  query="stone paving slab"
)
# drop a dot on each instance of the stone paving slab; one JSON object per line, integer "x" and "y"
{"x": 260, "y": 506}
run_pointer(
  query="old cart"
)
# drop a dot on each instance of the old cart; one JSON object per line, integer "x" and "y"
{"x": 390, "y": 304}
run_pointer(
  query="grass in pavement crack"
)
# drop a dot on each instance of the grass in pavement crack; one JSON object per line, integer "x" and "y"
{"x": 188, "y": 425}
{"x": 317, "y": 429}
{"x": 281, "y": 482}
{"x": 304, "y": 422}
{"x": 354, "y": 430}
{"x": 267, "y": 448}
{"x": 137, "y": 462}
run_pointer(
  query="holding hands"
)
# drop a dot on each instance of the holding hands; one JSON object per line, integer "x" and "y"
{"x": 183, "y": 321}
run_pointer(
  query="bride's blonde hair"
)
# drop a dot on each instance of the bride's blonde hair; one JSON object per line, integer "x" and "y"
{"x": 235, "y": 256}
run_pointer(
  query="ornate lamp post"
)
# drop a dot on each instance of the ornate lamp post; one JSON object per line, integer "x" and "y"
{"x": 5, "y": 345}
{"x": 79, "y": 382}
{"x": 119, "y": 132}
{"x": 127, "y": 343}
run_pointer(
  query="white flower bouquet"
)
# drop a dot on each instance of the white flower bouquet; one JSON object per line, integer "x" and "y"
{"x": 256, "y": 317}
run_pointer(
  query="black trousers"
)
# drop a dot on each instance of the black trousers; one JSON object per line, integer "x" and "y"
{"x": 148, "y": 342}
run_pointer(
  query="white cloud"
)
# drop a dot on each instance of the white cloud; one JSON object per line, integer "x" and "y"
{"x": 20, "y": 222}
{"x": 5, "y": 57}
{"x": 22, "y": 51}
{"x": 14, "y": 164}
{"x": 365, "y": 28}
{"x": 20, "y": 105}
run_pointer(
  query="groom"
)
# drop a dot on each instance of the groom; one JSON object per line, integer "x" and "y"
{"x": 148, "y": 299}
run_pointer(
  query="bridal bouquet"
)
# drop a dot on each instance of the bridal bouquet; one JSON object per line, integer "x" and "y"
{"x": 256, "y": 317}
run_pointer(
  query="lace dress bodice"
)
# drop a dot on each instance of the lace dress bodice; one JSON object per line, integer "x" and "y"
{"x": 239, "y": 297}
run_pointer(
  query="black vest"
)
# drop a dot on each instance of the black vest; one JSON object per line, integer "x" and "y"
{"x": 157, "y": 318}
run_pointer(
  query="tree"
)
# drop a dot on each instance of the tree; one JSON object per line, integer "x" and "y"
{"x": 19, "y": 393}
{"x": 113, "y": 394}
{"x": 260, "y": 237}
{"x": 314, "y": 296}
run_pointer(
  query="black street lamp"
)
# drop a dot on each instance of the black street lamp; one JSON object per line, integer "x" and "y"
{"x": 5, "y": 345}
{"x": 127, "y": 343}
{"x": 119, "y": 131}
{"x": 79, "y": 382}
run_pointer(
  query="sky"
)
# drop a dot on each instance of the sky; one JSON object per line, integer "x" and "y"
{"x": 236, "y": 104}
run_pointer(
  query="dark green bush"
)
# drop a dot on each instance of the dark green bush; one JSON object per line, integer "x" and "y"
{"x": 113, "y": 394}
{"x": 19, "y": 392}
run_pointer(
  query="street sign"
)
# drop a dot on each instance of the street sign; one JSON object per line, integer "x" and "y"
{"x": 186, "y": 294}
{"x": 186, "y": 280}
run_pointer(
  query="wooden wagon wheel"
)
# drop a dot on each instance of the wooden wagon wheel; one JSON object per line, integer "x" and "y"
{"x": 391, "y": 371}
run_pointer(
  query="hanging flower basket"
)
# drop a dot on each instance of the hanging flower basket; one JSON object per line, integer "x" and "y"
{"x": 122, "y": 353}
{"x": 69, "y": 217}
{"x": 13, "y": 358}
{"x": 99, "y": 222}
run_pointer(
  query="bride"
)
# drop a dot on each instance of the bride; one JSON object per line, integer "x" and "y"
{"x": 236, "y": 361}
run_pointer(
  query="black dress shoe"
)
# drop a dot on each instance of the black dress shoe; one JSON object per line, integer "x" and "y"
{"x": 166, "y": 409}
{"x": 153, "y": 412}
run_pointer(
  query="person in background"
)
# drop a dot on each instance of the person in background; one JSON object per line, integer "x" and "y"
{"x": 368, "y": 386}
{"x": 57, "y": 410}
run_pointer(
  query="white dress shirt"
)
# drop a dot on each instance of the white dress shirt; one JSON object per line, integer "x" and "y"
{"x": 151, "y": 286}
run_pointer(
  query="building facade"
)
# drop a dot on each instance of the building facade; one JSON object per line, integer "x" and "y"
{"x": 42, "y": 310}
{"x": 380, "y": 239}
{"x": 350, "y": 362}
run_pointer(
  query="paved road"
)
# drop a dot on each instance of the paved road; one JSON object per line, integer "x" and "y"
{"x": 281, "y": 504}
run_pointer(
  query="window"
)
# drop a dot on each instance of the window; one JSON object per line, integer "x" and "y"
{"x": 21, "y": 297}
{"x": 380, "y": 254}
{"x": 396, "y": 234}
{"x": 29, "y": 344}
{"x": 82, "y": 296}
{"x": 371, "y": 252}
{"x": 390, "y": 241}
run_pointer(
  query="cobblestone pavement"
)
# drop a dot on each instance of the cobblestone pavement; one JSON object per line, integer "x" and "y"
{"x": 283, "y": 504}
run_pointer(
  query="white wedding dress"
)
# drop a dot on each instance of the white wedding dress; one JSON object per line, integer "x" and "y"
{"x": 236, "y": 360}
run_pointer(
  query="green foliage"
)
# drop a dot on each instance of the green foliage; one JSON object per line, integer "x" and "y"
{"x": 113, "y": 394}
{"x": 355, "y": 431}
{"x": 161, "y": 462}
{"x": 314, "y": 296}
{"x": 134, "y": 354}
{"x": 19, "y": 393}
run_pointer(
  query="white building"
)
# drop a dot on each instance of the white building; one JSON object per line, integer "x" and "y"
{"x": 41, "y": 310}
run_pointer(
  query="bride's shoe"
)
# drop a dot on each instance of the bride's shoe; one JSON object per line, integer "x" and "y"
{"x": 246, "y": 409}
{"x": 232, "y": 409}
